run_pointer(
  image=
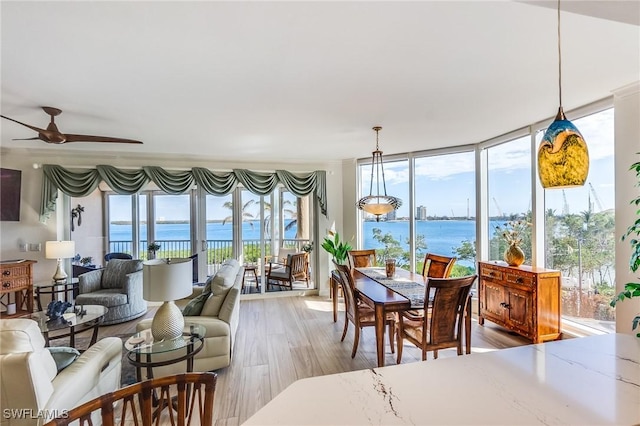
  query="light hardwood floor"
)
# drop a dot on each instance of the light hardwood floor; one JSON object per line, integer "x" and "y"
{"x": 281, "y": 340}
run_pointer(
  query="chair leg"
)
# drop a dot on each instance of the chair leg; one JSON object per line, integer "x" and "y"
{"x": 400, "y": 343}
{"x": 435, "y": 354}
{"x": 346, "y": 326}
{"x": 391, "y": 333}
{"x": 356, "y": 341}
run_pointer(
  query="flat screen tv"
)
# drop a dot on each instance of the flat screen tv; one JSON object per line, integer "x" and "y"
{"x": 10, "y": 181}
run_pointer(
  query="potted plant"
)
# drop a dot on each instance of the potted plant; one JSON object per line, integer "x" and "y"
{"x": 152, "y": 248}
{"x": 512, "y": 232}
{"x": 632, "y": 290}
{"x": 86, "y": 261}
{"x": 335, "y": 247}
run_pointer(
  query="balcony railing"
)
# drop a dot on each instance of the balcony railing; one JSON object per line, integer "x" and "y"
{"x": 217, "y": 250}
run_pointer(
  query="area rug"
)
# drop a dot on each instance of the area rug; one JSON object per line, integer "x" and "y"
{"x": 128, "y": 370}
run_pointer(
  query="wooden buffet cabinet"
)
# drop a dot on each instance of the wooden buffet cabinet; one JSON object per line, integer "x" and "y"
{"x": 16, "y": 286}
{"x": 523, "y": 299}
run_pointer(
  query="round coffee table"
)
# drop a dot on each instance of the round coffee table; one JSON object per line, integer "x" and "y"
{"x": 75, "y": 319}
{"x": 142, "y": 343}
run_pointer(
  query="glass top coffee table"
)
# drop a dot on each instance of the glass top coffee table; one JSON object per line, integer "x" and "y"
{"x": 75, "y": 320}
{"x": 141, "y": 349}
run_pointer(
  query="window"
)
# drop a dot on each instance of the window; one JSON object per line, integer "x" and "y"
{"x": 580, "y": 231}
{"x": 445, "y": 209}
{"x": 509, "y": 192}
{"x": 390, "y": 236}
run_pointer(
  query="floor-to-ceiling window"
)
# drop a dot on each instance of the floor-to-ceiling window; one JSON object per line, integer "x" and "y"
{"x": 390, "y": 235}
{"x": 580, "y": 230}
{"x": 219, "y": 230}
{"x": 509, "y": 194}
{"x": 445, "y": 209}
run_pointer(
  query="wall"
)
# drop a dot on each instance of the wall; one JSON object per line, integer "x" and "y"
{"x": 31, "y": 230}
{"x": 89, "y": 236}
{"x": 627, "y": 146}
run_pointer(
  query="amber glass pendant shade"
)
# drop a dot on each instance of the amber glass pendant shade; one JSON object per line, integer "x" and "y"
{"x": 563, "y": 156}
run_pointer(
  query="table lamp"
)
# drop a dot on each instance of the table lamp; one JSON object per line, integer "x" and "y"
{"x": 165, "y": 280}
{"x": 59, "y": 250}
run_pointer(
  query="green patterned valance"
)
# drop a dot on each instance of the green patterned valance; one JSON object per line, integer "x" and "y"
{"x": 126, "y": 182}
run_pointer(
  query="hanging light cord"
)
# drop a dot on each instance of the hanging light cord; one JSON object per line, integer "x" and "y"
{"x": 559, "y": 59}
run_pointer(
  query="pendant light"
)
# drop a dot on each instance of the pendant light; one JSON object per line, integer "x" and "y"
{"x": 563, "y": 157}
{"x": 380, "y": 203}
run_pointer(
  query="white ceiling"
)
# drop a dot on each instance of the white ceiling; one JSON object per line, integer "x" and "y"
{"x": 303, "y": 81}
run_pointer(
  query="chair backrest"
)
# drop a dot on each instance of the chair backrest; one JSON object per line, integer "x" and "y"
{"x": 134, "y": 404}
{"x": 114, "y": 255}
{"x": 347, "y": 289}
{"x": 362, "y": 258}
{"x": 114, "y": 274}
{"x": 437, "y": 266}
{"x": 447, "y": 299}
{"x": 283, "y": 254}
{"x": 298, "y": 263}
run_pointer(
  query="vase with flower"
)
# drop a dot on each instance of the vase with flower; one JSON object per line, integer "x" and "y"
{"x": 512, "y": 232}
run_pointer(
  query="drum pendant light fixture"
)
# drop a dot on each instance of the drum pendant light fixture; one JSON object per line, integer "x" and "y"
{"x": 563, "y": 157}
{"x": 380, "y": 203}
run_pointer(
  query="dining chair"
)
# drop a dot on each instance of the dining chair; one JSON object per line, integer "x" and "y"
{"x": 361, "y": 258}
{"x": 437, "y": 266}
{"x": 445, "y": 302}
{"x": 358, "y": 313}
{"x": 187, "y": 399}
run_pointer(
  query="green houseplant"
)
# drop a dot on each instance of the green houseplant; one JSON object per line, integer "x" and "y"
{"x": 335, "y": 247}
{"x": 632, "y": 290}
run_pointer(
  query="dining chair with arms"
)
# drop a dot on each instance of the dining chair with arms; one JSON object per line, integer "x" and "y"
{"x": 295, "y": 269}
{"x": 187, "y": 399}
{"x": 358, "y": 313}
{"x": 437, "y": 266}
{"x": 445, "y": 302}
{"x": 361, "y": 258}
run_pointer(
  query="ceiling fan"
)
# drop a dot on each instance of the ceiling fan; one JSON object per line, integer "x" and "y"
{"x": 52, "y": 135}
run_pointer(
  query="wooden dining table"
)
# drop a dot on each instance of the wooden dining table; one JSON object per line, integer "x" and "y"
{"x": 384, "y": 300}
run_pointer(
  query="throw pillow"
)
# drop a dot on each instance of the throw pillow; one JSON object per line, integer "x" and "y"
{"x": 63, "y": 356}
{"x": 194, "y": 307}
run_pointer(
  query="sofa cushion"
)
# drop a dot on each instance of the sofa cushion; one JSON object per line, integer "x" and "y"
{"x": 222, "y": 281}
{"x": 109, "y": 297}
{"x": 115, "y": 271}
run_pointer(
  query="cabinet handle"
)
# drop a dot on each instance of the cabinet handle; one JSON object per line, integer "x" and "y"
{"x": 6, "y": 284}
{"x": 519, "y": 280}
{"x": 492, "y": 274}
{"x": 505, "y": 305}
{"x": 6, "y": 272}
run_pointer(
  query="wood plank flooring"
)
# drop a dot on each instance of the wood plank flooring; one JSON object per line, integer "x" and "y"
{"x": 284, "y": 339}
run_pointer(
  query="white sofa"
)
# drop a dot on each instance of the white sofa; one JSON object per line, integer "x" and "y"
{"x": 30, "y": 383}
{"x": 218, "y": 305}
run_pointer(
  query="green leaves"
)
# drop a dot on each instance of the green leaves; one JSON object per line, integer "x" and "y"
{"x": 336, "y": 248}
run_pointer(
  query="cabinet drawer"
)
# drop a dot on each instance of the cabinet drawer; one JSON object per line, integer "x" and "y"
{"x": 519, "y": 279}
{"x": 491, "y": 273}
{"x": 14, "y": 284}
{"x": 15, "y": 272}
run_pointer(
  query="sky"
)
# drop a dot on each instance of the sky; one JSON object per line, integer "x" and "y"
{"x": 445, "y": 184}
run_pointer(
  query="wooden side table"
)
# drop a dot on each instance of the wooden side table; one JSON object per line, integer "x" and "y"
{"x": 251, "y": 269}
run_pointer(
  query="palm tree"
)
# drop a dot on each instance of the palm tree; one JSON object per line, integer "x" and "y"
{"x": 246, "y": 216}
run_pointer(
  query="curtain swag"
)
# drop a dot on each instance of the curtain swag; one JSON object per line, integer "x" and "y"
{"x": 126, "y": 182}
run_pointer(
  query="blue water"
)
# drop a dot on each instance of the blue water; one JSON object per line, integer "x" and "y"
{"x": 441, "y": 236}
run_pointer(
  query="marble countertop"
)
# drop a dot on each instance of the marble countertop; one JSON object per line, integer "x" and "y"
{"x": 590, "y": 380}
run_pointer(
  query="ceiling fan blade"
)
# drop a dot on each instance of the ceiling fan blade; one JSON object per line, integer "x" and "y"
{"x": 37, "y": 129}
{"x": 27, "y": 139}
{"x": 89, "y": 138}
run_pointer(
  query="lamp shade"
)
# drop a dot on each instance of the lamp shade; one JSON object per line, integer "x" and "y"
{"x": 59, "y": 249}
{"x": 166, "y": 279}
{"x": 563, "y": 157}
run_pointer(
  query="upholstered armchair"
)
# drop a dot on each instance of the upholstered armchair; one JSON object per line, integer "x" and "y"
{"x": 31, "y": 383}
{"x": 118, "y": 287}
